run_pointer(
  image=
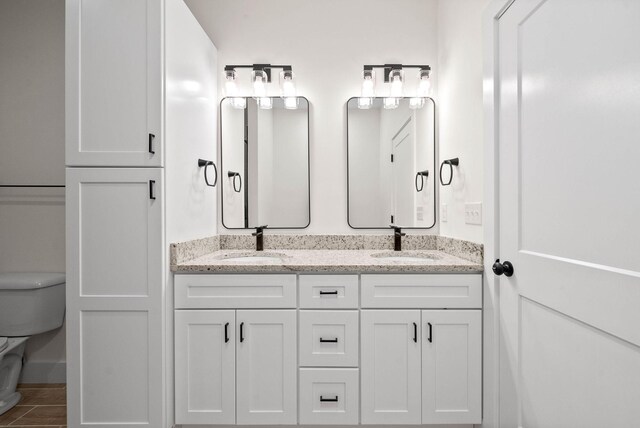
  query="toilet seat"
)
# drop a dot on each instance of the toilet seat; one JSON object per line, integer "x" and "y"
{"x": 4, "y": 342}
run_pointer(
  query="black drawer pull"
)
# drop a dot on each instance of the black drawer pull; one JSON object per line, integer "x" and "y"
{"x": 241, "y": 332}
{"x": 226, "y": 333}
{"x": 334, "y": 340}
{"x": 334, "y": 399}
{"x": 324, "y": 293}
{"x": 430, "y": 339}
{"x": 415, "y": 332}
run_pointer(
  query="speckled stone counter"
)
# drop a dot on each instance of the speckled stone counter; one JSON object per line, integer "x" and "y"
{"x": 337, "y": 261}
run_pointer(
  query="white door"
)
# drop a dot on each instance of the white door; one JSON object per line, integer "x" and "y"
{"x": 205, "y": 364}
{"x": 114, "y": 297}
{"x": 390, "y": 367}
{"x": 404, "y": 192}
{"x": 452, "y": 366}
{"x": 113, "y": 82}
{"x": 569, "y": 197}
{"x": 266, "y": 367}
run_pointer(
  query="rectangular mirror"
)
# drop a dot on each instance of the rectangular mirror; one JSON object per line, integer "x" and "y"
{"x": 391, "y": 165}
{"x": 265, "y": 163}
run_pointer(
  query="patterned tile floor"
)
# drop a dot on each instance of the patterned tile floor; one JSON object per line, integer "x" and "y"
{"x": 42, "y": 406}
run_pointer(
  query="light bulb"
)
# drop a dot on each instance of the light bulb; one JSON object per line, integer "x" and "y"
{"x": 416, "y": 102}
{"x": 239, "y": 102}
{"x": 391, "y": 102}
{"x": 368, "y": 84}
{"x": 259, "y": 78}
{"x": 424, "y": 86}
{"x": 395, "y": 79}
{"x": 230, "y": 87}
{"x": 365, "y": 103}
{"x": 287, "y": 83}
{"x": 291, "y": 103}
{"x": 265, "y": 103}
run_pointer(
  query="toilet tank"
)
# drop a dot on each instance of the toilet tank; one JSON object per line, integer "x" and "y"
{"x": 31, "y": 303}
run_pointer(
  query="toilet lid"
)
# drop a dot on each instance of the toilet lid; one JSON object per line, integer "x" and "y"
{"x": 3, "y": 343}
{"x": 30, "y": 280}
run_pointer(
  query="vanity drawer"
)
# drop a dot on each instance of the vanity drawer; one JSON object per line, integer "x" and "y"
{"x": 329, "y": 338}
{"x": 422, "y": 291}
{"x": 234, "y": 291}
{"x": 329, "y": 291}
{"x": 329, "y": 396}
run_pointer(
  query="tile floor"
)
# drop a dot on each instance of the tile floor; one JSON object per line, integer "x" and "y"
{"x": 42, "y": 406}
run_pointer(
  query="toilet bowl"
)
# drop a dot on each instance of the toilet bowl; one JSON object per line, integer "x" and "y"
{"x": 30, "y": 303}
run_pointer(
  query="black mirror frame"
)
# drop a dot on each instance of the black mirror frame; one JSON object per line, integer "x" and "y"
{"x": 435, "y": 188}
{"x": 308, "y": 169}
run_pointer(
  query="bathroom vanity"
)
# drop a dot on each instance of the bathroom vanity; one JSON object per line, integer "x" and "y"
{"x": 328, "y": 337}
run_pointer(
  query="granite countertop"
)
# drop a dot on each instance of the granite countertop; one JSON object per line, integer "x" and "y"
{"x": 328, "y": 260}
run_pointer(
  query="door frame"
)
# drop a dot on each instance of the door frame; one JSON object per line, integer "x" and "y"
{"x": 491, "y": 298}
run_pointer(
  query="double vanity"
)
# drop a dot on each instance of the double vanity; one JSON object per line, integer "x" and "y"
{"x": 315, "y": 335}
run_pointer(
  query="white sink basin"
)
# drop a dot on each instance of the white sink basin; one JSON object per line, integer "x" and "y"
{"x": 252, "y": 259}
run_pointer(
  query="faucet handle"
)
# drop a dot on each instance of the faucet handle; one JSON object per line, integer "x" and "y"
{"x": 397, "y": 229}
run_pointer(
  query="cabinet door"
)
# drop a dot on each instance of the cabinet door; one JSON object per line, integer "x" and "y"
{"x": 113, "y": 82}
{"x": 390, "y": 367}
{"x": 114, "y": 297}
{"x": 266, "y": 367}
{"x": 451, "y": 367}
{"x": 205, "y": 362}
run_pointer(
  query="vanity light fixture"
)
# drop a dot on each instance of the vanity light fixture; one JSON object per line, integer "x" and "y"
{"x": 260, "y": 78}
{"x": 288, "y": 85}
{"x": 231, "y": 90}
{"x": 394, "y": 75}
{"x": 368, "y": 89}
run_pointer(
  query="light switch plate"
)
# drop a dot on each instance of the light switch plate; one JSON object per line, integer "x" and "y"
{"x": 444, "y": 216}
{"x": 473, "y": 213}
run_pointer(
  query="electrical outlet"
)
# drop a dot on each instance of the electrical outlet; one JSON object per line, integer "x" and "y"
{"x": 419, "y": 213}
{"x": 443, "y": 215}
{"x": 473, "y": 213}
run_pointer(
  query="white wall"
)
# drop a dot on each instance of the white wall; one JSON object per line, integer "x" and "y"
{"x": 327, "y": 42}
{"x": 32, "y": 226}
{"x": 459, "y": 103}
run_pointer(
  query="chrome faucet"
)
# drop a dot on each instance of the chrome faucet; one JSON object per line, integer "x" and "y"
{"x": 397, "y": 237}
{"x": 259, "y": 234}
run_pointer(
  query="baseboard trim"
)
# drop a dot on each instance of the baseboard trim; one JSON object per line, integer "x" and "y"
{"x": 44, "y": 372}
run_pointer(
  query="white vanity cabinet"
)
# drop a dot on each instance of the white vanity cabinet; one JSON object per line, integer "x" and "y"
{"x": 236, "y": 365}
{"x": 409, "y": 353}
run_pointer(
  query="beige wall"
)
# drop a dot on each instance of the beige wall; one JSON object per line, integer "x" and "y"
{"x": 32, "y": 225}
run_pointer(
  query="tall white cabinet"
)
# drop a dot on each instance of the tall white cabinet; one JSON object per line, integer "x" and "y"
{"x": 121, "y": 58}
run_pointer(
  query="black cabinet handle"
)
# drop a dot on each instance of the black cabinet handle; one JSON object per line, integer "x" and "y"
{"x": 334, "y": 399}
{"x": 415, "y": 332}
{"x": 151, "y": 138}
{"x": 226, "y": 333}
{"x": 324, "y": 293}
{"x": 430, "y": 338}
{"x": 152, "y": 189}
{"x": 241, "y": 332}
{"x": 334, "y": 340}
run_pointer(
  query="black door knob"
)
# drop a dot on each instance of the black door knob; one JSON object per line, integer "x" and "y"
{"x": 505, "y": 268}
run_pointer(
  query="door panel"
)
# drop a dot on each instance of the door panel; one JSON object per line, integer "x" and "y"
{"x": 267, "y": 367}
{"x": 113, "y": 82}
{"x": 569, "y": 200}
{"x": 390, "y": 367}
{"x": 205, "y": 362}
{"x": 451, "y": 366}
{"x": 114, "y": 300}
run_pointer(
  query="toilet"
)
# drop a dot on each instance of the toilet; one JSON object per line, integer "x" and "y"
{"x": 30, "y": 303}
